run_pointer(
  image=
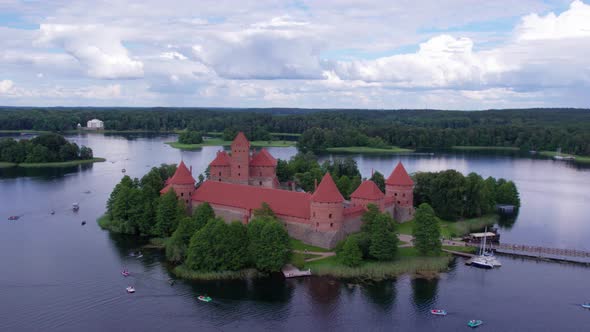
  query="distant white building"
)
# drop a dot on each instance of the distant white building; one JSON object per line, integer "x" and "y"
{"x": 95, "y": 124}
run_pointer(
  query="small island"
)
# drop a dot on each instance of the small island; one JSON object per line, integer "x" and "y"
{"x": 45, "y": 150}
{"x": 244, "y": 218}
{"x": 192, "y": 140}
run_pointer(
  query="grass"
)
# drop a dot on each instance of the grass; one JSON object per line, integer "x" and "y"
{"x": 408, "y": 261}
{"x": 220, "y": 142}
{"x": 61, "y": 163}
{"x": 26, "y": 131}
{"x": 484, "y": 148}
{"x": 579, "y": 159}
{"x": 182, "y": 272}
{"x": 469, "y": 250}
{"x": 4, "y": 164}
{"x": 455, "y": 228}
{"x": 367, "y": 149}
{"x": 299, "y": 245}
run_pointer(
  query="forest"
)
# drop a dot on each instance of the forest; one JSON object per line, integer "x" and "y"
{"x": 526, "y": 129}
{"x": 44, "y": 148}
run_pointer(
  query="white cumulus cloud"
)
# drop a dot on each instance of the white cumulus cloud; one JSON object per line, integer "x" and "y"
{"x": 573, "y": 23}
{"x": 5, "y": 86}
{"x": 97, "y": 48}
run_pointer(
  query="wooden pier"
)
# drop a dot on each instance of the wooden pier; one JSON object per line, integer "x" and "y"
{"x": 557, "y": 254}
{"x": 290, "y": 271}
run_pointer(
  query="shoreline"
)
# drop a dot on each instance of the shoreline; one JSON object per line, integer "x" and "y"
{"x": 368, "y": 150}
{"x": 220, "y": 142}
{"x": 457, "y": 228}
{"x": 53, "y": 164}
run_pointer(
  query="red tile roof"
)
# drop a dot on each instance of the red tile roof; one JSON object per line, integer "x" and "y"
{"x": 368, "y": 190}
{"x": 327, "y": 192}
{"x": 399, "y": 177}
{"x": 263, "y": 158}
{"x": 222, "y": 159}
{"x": 282, "y": 202}
{"x": 241, "y": 139}
{"x": 181, "y": 176}
{"x": 165, "y": 189}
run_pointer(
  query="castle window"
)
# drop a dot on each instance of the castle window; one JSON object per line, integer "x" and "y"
{"x": 189, "y": 193}
{"x": 219, "y": 180}
{"x": 314, "y": 214}
{"x": 238, "y": 174}
{"x": 403, "y": 195}
{"x": 317, "y": 224}
{"x": 260, "y": 182}
{"x": 181, "y": 194}
{"x": 330, "y": 216}
{"x": 398, "y": 202}
{"x": 331, "y": 224}
{"x": 219, "y": 173}
{"x": 239, "y": 166}
{"x": 395, "y": 194}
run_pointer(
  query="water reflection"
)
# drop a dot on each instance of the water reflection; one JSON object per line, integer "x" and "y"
{"x": 425, "y": 292}
{"x": 381, "y": 294}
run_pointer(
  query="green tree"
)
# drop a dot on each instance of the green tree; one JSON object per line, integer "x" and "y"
{"x": 203, "y": 213}
{"x": 384, "y": 240}
{"x": 264, "y": 211}
{"x": 343, "y": 184}
{"x": 167, "y": 214}
{"x": 269, "y": 245}
{"x": 379, "y": 180}
{"x": 177, "y": 246}
{"x": 351, "y": 254}
{"x": 426, "y": 231}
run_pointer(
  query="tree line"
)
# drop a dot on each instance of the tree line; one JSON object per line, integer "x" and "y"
{"x": 42, "y": 149}
{"x": 453, "y": 195}
{"x": 527, "y": 129}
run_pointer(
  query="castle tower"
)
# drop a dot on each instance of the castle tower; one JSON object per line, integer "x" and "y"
{"x": 240, "y": 159}
{"x": 367, "y": 193}
{"x": 182, "y": 182}
{"x": 263, "y": 170}
{"x": 220, "y": 167}
{"x": 400, "y": 186}
{"x": 326, "y": 206}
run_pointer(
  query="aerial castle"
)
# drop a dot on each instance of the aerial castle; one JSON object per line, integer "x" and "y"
{"x": 240, "y": 182}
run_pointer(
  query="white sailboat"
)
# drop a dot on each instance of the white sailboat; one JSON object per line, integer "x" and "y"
{"x": 485, "y": 259}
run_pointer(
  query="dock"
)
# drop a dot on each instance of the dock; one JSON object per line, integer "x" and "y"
{"x": 554, "y": 254}
{"x": 290, "y": 271}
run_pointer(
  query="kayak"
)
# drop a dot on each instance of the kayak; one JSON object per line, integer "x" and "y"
{"x": 204, "y": 298}
{"x": 125, "y": 273}
{"x": 130, "y": 290}
{"x": 474, "y": 323}
{"x": 586, "y": 305}
{"x": 438, "y": 312}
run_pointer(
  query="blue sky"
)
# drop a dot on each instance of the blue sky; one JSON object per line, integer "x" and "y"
{"x": 461, "y": 54}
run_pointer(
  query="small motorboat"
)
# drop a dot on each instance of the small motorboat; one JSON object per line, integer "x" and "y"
{"x": 474, "y": 323}
{"x": 13, "y": 218}
{"x": 171, "y": 282}
{"x": 438, "y": 312}
{"x": 75, "y": 207}
{"x": 130, "y": 290}
{"x": 586, "y": 305}
{"x": 139, "y": 254}
{"x": 87, "y": 192}
{"x": 123, "y": 170}
{"x": 52, "y": 212}
{"x": 204, "y": 298}
{"x": 83, "y": 222}
{"x": 125, "y": 273}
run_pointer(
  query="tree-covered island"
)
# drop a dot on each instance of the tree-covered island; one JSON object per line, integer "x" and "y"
{"x": 202, "y": 245}
{"x": 45, "y": 150}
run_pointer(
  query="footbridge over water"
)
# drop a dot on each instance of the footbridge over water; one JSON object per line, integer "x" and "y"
{"x": 558, "y": 254}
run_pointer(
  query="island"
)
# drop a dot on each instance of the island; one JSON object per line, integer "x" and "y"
{"x": 45, "y": 150}
{"x": 245, "y": 216}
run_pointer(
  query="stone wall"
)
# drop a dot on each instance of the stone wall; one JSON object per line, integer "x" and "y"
{"x": 403, "y": 213}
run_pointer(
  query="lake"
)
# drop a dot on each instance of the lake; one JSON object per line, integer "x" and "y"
{"x": 59, "y": 275}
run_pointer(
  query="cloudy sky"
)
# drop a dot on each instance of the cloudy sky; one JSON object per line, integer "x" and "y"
{"x": 461, "y": 54}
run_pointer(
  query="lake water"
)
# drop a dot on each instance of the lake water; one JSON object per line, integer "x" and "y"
{"x": 59, "y": 275}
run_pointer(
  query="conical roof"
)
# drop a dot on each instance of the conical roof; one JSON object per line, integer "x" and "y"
{"x": 368, "y": 190}
{"x": 399, "y": 177}
{"x": 327, "y": 192}
{"x": 263, "y": 158}
{"x": 241, "y": 139}
{"x": 181, "y": 176}
{"x": 222, "y": 159}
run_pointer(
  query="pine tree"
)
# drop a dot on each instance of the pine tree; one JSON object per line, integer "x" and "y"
{"x": 351, "y": 254}
{"x": 167, "y": 214}
{"x": 426, "y": 231}
{"x": 384, "y": 241}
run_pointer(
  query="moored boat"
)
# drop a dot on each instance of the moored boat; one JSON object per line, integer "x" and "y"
{"x": 130, "y": 290}
{"x": 75, "y": 207}
{"x": 204, "y": 298}
{"x": 474, "y": 323}
{"x": 438, "y": 312}
{"x": 125, "y": 273}
{"x": 586, "y": 305}
{"x": 13, "y": 218}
